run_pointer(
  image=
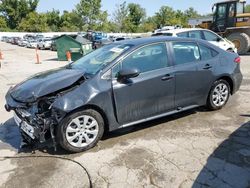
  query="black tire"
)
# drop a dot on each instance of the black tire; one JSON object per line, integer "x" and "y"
{"x": 210, "y": 103}
{"x": 243, "y": 41}
{"x": 61, "y": 130}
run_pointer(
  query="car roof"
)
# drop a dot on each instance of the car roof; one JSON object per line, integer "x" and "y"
{"x": 174, "y": 31}
{"x": 148, "y": 40}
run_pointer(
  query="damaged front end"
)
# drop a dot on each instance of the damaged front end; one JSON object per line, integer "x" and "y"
{"x": 32, "y": 103}
{"x": 37, "y": 120}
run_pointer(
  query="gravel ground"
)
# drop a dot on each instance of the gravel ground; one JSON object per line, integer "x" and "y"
{"x": 197, "y": 148}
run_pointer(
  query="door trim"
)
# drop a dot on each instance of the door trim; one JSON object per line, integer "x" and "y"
{"x": 158, "y": 116}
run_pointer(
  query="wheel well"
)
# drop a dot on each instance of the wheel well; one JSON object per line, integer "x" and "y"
{"x": 229, "y": 81}
{"x": 99, "y": 110}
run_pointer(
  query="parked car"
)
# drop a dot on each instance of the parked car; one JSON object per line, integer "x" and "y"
{"x": 32, "y": 44}
{"x": 44, "y": 43}
{"x": 122, "y": 84}
{"x": 203, "y": 34}
{"x": 99, "y": 43}
{"x": 4, "y": 38}
{"x": 53, "y": 45}
{"x": 15, "y": 40}
{"x": 23, "y": 43}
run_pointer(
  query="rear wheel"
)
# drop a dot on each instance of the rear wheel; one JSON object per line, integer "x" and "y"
{"x": 81, "y": 130}
{"x": 218, "y": 95}
{"x": 241, "y": 42}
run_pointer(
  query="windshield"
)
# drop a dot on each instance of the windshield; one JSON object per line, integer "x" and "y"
{"x": 96, "y": 60}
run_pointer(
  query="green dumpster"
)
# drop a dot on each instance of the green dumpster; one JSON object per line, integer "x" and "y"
{"x": 76, "y": 53}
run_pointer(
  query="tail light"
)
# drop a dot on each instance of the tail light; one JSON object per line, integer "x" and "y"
{"x": 237, "y": 60}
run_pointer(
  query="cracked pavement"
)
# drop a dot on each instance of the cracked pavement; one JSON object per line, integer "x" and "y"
{"x": 197, "y": 148}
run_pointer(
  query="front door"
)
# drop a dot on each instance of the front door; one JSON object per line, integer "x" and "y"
{"x": 149, "y": 94}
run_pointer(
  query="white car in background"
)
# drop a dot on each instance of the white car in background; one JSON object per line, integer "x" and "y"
{"x": 44, "y": 43}
{"x": 203, "y": 34}
{"x": 32, "y": 44}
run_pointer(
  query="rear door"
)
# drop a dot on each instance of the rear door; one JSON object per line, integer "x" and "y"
{"x": 206, "y": 69}
{"x": 149, "y": 94}
{"x": 194, "y": 67}
{"x": 186, "y": 57}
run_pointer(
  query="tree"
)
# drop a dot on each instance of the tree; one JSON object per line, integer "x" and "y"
{"x": 120, "y": 16}
{"x": 89, "y": 11}
{"x": 15, "y": 10}
{"x": 191, "y": 13}
{"x": 53, "y": 20}
{"x": 149, "y": 25}
{"x": 3, "y": 24}
{"x": 135, "y": 17}
{"x": 34, "y": 22}
{"x": 70, "y": 21}
{"x": 165, "y": 16}
{"x": 247, "y": 9}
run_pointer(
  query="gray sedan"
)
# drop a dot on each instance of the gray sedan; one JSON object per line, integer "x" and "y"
{"x": 122, "y": 84}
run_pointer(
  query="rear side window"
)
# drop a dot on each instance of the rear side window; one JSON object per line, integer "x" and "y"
{"x": 185, "y": 52}
{"x": 209, "y": 36}
{"x": 183, "y": 34}
{"x": 207, "y": 53}
{"x": 195, "y": 34}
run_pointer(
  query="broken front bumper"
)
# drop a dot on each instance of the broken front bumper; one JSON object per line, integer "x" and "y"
{"x": 25, "y": 127}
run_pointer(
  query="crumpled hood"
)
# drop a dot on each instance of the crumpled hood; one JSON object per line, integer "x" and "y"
{"x": 45, "y": 83}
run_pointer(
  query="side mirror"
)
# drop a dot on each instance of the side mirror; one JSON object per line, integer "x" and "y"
{"x": 126, "y": 74}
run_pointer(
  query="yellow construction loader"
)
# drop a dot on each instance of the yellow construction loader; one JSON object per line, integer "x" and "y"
{"x": 229, "y": 20}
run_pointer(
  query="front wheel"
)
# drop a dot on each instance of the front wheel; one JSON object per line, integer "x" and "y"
{"x": 80, "y": 131}
{"x": 218, "y": 95}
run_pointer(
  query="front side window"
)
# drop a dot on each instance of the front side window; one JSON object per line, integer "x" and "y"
{"x": 209, "y": 36}
{"x": 185, "y": 52}
{"x": 147, "y": 58}
{"x": 195, "y": 35}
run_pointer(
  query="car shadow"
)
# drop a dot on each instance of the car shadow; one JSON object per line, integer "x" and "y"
{"x": 9, "y": 134}
{"x": 152, "y": 123}
{"x": 229, "y": 164}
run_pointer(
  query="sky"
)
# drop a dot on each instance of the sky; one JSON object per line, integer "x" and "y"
{"x": 151, "y": 6}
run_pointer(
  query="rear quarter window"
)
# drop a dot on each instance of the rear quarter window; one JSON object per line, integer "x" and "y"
{"x": 207, "y": 53}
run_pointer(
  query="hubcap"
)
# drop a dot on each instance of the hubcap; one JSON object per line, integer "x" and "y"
{"x": 82, "y": 131}
{"x": 220, "y": 94}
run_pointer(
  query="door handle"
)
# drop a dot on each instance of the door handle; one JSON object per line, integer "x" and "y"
{"x": 167, "y": 77}
{"x": 207, "y": 66}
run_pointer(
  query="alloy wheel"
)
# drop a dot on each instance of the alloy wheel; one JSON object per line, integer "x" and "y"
{"x": 82, "y": 131}
{"x": 220, "y": 94}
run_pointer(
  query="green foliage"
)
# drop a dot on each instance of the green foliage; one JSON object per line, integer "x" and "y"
{"x": 53, "y": 20}
{"x": 34, "y": 22}
{"x": 136, "y": 15}
{"x": 21, "y": 15}
{"x": 90, "y": 12}
{"x": 119, "y": 16}
{"x": 247, "y": 9}
{"x": 15, "y": 10}
{"x": 70, "y": 21}
{"x": 3, "y": 24}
